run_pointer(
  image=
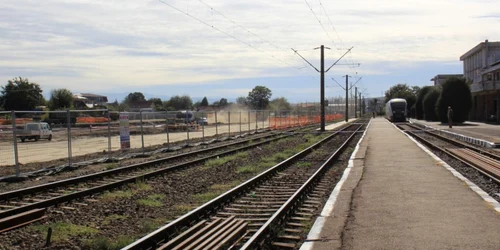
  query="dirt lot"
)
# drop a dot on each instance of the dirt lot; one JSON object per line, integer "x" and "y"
{"x": 58, "y": 148}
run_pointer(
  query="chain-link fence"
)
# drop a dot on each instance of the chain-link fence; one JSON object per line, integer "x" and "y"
{"x": 80, "y": 135}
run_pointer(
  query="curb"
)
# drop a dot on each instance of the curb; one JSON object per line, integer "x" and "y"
{"x": 468, "y": 139}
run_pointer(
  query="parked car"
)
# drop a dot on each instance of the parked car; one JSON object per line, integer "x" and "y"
{"x": 35, "y": 131}
{"x": 203, "y": 121}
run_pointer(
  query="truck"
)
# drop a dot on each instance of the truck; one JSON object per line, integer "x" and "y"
{"x": 35, "y": 131}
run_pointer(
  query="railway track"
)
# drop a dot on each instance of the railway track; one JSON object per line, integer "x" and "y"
{"x": 484, "y": 162}
{"x": 271, "y": 209}
{"x": 23, "y": 206}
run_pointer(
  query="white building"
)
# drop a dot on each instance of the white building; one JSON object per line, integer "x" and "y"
{"x": 482, "y": 68}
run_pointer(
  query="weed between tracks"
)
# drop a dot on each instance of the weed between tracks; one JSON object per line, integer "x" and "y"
{"x": 62, "y": 230}
{"x": 154, "y": 200}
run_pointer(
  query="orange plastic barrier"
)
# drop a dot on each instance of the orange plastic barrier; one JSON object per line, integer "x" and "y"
{"x": 18, "y": 121}
{"x": 293, "y": 121}
{"x": 91, "y": 119}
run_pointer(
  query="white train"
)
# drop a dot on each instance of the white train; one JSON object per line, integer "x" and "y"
{"x": 395, "y": 110}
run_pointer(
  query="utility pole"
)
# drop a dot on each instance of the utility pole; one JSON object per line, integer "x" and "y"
{"x": 322, "y": 128}
{"x": 360, "y": 106}
{"x": 347, "y": 98}
{"x": 322, "y": 71}
{"x": 355, "y": 102}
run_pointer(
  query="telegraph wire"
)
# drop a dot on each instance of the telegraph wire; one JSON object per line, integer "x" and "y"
{"x": 232, "y": 36}
{"x": 319, "y": 21}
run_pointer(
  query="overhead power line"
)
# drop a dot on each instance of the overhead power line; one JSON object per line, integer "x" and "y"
{"x": 232, "y": 36}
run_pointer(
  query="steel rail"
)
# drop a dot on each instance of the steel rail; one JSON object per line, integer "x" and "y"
{"x": 261, "y": 237}
{"x": 456, "y": 143}
{"x": 169, "y": 231}
{"x": 435, "y": 147}
{"x": 115, "y": 184}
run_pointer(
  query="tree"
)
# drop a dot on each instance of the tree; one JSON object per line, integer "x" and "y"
{"x": 157, "y": 104}
{"x": 280, "y": 103}
{"x": 402, "y": 91}
{"x": 429, "y": 104}
{"x": 179, "y": 103}
{"x": 242, "y": 101}
{"x": 455, "y": 92}
{"x": 419, "y": 104}
{"x": 204, "y": 102}
{"x": 223, "y": 102}
{"x": 20, "y": 94}
{"x": 259, "y": 97}
{"x": 60, "y": 99}
{"x": 134, "y": 97}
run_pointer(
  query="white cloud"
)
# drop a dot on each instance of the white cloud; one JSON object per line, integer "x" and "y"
{"x": 106, "y": 45}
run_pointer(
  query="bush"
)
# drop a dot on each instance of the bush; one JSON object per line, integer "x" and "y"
{"x": 419, "y": 105}
{"x": 455, "y": 93}
{"x": 429, "y": 104}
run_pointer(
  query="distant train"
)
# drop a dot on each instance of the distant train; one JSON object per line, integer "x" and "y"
{"x": 395, "y": 110}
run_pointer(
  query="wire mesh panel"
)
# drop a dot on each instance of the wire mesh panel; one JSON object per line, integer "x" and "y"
{"x": 6, "y": 141}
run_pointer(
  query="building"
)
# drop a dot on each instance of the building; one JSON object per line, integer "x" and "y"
{"x": 440, "y": 79}
{"x": 141, "y": 106}
{"x": 87, "y": 100}
{"x": 482, "y": 68}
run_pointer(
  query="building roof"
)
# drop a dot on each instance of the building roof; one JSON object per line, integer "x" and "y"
{"x": 90, "y": 95}
{"x": 444, "y": 76}
{"x": 477, "y": 48}
{"x": 141, "y": 104}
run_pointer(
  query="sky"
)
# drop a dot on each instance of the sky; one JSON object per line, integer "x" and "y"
{"x": 222, "y": 48}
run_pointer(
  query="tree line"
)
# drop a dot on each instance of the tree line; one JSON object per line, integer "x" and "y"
{"x": 21, "y": 94}
{"x": 431, "y": 102}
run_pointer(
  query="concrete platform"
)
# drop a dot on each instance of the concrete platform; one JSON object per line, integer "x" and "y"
{"x": 337, "y": 124}
{"x": 482, "y": 134}
{"x": 395, "y": 195}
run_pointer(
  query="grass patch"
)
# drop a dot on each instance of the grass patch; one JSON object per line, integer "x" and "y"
{"x": 246, "y": 169}
{"x": 63, "y": 231}
{"x": 220, "y": 161}
{"x": 140, "y": 186}
{"x": 107, "y": 196}
{"x": 154, "y": 200}
{"x": 103, "y": 243}
{"x": 183, "y": 209}
{"x": 110, "y": 166}
{"x": 304, "y": 164}
{"x": 148, "y": 225}
{"x": 112, "y": 218}
{"x": 204, "y": 197}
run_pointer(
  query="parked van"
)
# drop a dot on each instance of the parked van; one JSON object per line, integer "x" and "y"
{"x": 35, "y": 131}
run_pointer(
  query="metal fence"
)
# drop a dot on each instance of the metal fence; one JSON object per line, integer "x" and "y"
{"x": 80, "y": 135}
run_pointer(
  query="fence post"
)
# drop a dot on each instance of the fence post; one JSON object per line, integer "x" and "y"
{"x": 188, "y": 124}
{"x": 262, "y": 119}
{"x": 109, "y": 132}
{"x": 68, "y": 114}
{"x": 229, "y": 121}
{"x": 216, "y": 127}
{"x": 166, "y": 120}
{"x": 203, "y": 126}
{"x": 248, "y": 121}
{"x": 240, "y": 123}
{"x": 256, "y": 121}
{"x": 16, "y": 156}
{"x": 142, "y": 131}
{"x": 279, "y": 111}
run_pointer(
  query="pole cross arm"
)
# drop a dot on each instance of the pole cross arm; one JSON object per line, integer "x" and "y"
{"x": 296, "y": 52}
{"x": 340, "y": 58}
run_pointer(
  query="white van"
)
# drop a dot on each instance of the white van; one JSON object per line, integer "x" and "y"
{"x": 35, "y": 131}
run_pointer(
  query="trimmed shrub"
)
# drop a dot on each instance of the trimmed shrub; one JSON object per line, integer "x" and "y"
{"x": 429, "y": 104}
{"x": 455, "y": 93}
{"x": 419, "y": 105}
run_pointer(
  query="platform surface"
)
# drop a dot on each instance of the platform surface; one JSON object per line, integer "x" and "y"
{"x": 483, "y": 131}
{"x": 398, "y": 197}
